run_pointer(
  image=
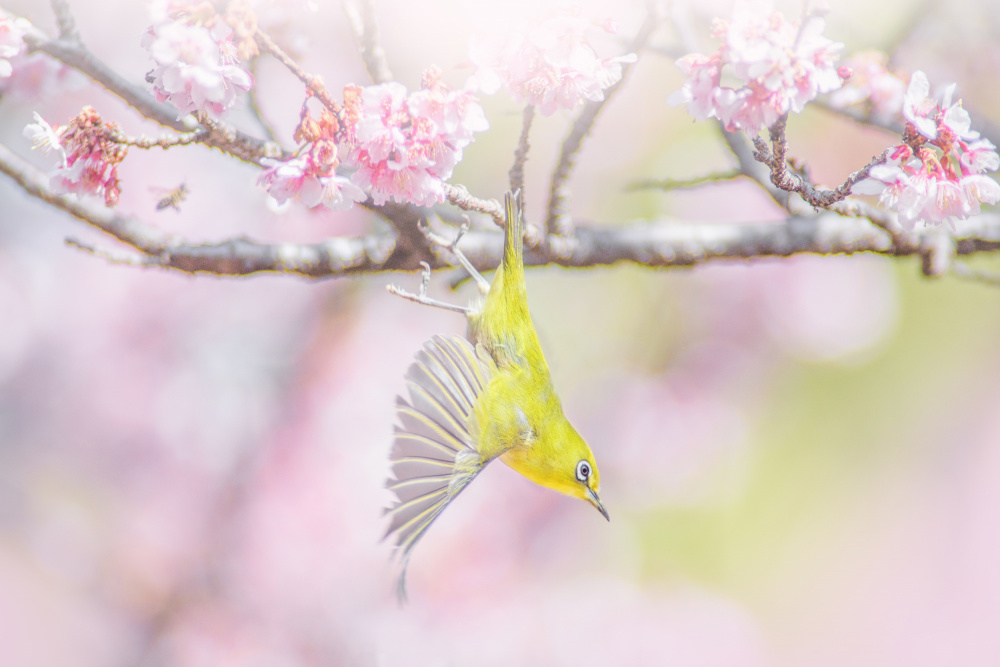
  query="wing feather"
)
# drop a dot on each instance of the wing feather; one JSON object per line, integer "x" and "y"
{"x": 434, "y": 454}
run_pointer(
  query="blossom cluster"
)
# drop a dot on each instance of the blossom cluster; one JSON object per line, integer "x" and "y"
{"x": 549, "y": 64}
{"x": 401, "y": 146}
{"x": 11, "y": 42}
{"x": 779, "y": 65}
{"x": 90, "y": 154}
{"x": 310, "y": 176}
{"x": 197, "y": 63}
{"x": 937, "y": 175}
{"x": 405, "y": 145}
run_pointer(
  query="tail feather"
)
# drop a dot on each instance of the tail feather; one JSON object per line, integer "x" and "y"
{"x": 434, "y": 455}
{"x": 513, "y": 253}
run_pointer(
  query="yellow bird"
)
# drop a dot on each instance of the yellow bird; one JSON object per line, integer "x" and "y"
{"x": 473, "y": 402}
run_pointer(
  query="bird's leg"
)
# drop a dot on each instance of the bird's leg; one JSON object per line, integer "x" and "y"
{"x": 482, "y": 283}
{"x": 421, "y": 296}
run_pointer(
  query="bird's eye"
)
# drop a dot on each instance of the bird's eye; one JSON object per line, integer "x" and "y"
{"x": 583, "y": 470}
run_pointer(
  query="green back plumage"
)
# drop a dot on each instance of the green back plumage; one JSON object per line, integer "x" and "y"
{"x": 503, "y": 325}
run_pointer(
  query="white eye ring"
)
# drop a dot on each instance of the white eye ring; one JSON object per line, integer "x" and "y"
{"x": 583, "y": 470}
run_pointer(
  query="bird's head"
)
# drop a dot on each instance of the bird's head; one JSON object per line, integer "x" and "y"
{"x": 574, "y": 471}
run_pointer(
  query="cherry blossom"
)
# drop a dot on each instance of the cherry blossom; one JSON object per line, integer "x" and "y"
{"x": 779, "y": 65}
{"x": 936, "y": 175}
{"x": 301, "y": 178}
{"x": 873, "y": 84}
{"x": 90, "y": 157}
{"x": 310, "y": 176}
{"x": 548, "y": 63}
{"x": 404, "y": 146}
{"x": 197, "y": 67}
{"x": 978, "y": 188}
{"x": 918, "y": 107}
{"x": 979, "y": 156}
{"x": 43, "y": 136}
{"x": 11, "y": 42}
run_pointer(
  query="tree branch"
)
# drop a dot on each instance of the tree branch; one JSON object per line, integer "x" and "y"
{"x": 72, "y": 53}
{"x": 65, "y": 20}
{"x": 751, "y": 168}
{"x": 313, "y": 83}
{"x": 785, "y": 179}
{"x": 684, "y": 183}
{"x": 366, "y": 30}
{"x": 459, "y": 196}
{"x": 658, "y": 243}
{"x": 557, "y": 218}
{"x": 515, "y": 176}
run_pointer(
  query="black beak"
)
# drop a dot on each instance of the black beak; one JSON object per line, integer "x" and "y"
{"x": 596, "y": 502}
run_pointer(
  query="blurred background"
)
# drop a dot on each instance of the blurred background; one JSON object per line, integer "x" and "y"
{"x": 801, "y": 458}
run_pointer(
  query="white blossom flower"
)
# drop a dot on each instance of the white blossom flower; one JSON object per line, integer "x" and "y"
{"x": 549, "y": 63}
{"x": 196, "y": 68}
{"x": 778, "y": 68}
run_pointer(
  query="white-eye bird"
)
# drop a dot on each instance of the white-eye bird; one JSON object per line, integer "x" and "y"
{"x": 473, "y": 401}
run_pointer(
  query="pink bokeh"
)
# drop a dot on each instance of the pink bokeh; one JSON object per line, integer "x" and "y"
{"x": 800, "y": 456}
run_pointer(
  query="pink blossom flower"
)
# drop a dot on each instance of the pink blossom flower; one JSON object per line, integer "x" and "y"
{"x": 873, "y": 84}
{"x": 339, "y": 193}
{"x": 11, "y": 42}
{"x": 887, "y": 180}
{"x": 979, "y": 156}
{"x": 196, "y": 66}
{"x": 311, "y": 176}
{"x": 949, "y": 203}
{"x": 936, "y": 175}
{"x": 779, "y": 67}
{"x": 290, "y": 179}
{"x": 90, "y": 155}
{"x": 301, "y": 178}
{"x": 548, "y": 63}
{"x": 699, "y": 90}
{"x": 405, "y": 146}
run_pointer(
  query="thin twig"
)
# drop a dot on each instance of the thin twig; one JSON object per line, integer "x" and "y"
{"x": 557, "y": 218}
{"x": 366, "y": 30}
{"x": 313, "y": 83}
{"x": 516, "y": 174}
{"x": 233, "y": 257}
{"x": 76, "y": 55}
{"x": 143, "y": 142}
{"x": 459, "y": 196}
{"x": 789, "y": 181}
{"x": 116, "y": 257}
{"x": 751, "y": 168}
{"x": 235, "y": 143}
{"x": 65, "y": 20}
{"x": 684, "y": 183}
{"x": 421, "y": 297}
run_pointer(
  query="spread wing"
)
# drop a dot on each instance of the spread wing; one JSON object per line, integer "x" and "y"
{"x": 434, "y": 455}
